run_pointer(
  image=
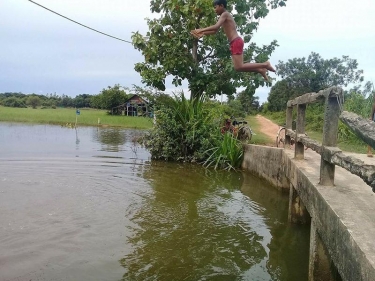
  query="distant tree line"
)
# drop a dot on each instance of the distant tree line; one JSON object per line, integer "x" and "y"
{"x": 107, "y": 99}
{"x": 239, "y": 105}
{"x": 50, "y": 100}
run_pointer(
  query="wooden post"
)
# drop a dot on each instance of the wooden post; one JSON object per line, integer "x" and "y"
{"x": 330, "y": 128}
{"x": 299, "y": 149}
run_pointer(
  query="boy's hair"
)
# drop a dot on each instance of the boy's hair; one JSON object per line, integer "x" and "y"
{"x": 220, "y": 2}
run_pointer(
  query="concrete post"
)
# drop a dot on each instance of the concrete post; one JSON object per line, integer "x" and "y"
{"x": 299, "y": 149}
{"x": 298, "y": 213}
{"x": 289, "y": 120}
{"x": 319, "y": 261}
{"x": 331, "y": 123}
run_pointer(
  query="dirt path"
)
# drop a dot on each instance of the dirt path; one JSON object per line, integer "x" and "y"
{"x": 268, "y": 128}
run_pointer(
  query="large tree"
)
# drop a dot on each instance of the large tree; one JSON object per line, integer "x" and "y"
{"x": 109, "y": 98}
{"x": 301, "y": 75}
{"x": 170, "y": 50}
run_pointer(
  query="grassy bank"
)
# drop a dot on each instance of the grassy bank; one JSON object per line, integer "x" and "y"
{"x": 356, "y": 147}
{"x": 63, "y": 116}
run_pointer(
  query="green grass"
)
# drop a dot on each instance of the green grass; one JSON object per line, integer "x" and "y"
{"x": 318, "y": 136}
{"x": 259, "y": 138}
{"x": 64, "y": 116}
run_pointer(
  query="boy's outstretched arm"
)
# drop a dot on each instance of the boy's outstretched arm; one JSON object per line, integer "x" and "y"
{"x": 210, "y": 29}
{"x": 197, "y": 34}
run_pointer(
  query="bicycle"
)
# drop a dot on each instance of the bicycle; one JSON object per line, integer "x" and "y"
{"x": 239, "y": 129}
{"x": 280, "y": 138}
{"x": 242, "y": 131}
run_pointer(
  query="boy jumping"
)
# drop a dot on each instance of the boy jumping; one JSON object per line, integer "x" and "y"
{"x": 236, "y": 43}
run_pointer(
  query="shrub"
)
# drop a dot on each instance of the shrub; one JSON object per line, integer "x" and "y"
{"x": 14, "y": 102}
{"x": 184, "y": 131}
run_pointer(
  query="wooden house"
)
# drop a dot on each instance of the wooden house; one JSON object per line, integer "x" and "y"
{"x": 134, "y": 106}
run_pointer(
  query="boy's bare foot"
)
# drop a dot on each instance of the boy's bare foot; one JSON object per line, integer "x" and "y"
{"x": 269, "y": 67}
{"x": 263, "y": 72}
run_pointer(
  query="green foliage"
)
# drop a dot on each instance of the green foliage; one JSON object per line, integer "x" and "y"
{"x": 314, "y": 117}
{"x": 169, "y": 49}
{"x": 359, "y": 104}
{"x": 82, "y": 101}
{"x": 235, "y": 109}
{"x": 316, "y": 73}
{"x": 301, "y": 75}
{"x": 34, "y": 101}
{"x": 227, "y": 155}
{"x": 249, "y": 103}
{"x": 109, "y": 98}
{"x": 279, "y": 95}
{"x": 184, "y": 130}
{"x": 14, "y": 102}
{"x": 51, "y": 100}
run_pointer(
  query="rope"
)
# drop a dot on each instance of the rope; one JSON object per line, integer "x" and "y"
{"x": 80, "y": 23}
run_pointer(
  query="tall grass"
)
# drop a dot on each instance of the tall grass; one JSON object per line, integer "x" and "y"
{"x": 228, "y": 155}
{"x": 63, "y": 116}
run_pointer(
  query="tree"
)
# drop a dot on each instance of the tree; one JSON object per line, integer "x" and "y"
{"x": 279, "y": 95}
{"x": 302, "y": 76}
{"x": 248, "y": 101}
{"x": 13, "y": 102}
{"x": 82, "y": 100}
{"x": 170, "y": 50}
{"x": 109, "y": 98}
{"x": 34, "y": 101}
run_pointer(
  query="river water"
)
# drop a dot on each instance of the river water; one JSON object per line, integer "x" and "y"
{"x": 89, "y": 204}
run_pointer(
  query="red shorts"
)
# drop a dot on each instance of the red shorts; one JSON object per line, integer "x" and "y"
{"x": 236, "y": 46}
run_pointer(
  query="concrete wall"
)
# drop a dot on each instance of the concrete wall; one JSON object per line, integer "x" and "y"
{"x": 278, "y": 167}
{"x": 269, "y": 164}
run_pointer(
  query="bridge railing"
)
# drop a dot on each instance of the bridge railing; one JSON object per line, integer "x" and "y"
{"x": 331, "y": 155}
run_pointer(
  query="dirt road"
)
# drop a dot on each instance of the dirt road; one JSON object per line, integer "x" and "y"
{"x": 268, "y": 128}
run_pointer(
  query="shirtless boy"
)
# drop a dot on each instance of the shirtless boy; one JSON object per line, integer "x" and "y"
{"x": 236, "y": 43}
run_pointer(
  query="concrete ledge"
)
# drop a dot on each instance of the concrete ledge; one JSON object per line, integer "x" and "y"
{"x": 264, "y": 155}
{"x": 344, "y": 214}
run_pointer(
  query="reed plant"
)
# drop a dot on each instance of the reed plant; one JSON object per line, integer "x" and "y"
{"x": 227, "y": 155}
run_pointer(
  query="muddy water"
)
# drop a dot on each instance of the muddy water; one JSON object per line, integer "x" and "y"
{"x": 89, "y": 204}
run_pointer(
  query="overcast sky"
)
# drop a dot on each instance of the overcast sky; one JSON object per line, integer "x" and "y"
{"x": 44, "y": 53}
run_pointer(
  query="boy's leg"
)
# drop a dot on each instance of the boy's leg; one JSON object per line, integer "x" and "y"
{"x": 251, "y": 67}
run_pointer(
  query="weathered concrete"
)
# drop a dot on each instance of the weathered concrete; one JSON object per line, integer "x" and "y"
{"x": 335, "y": 156}
{"x": 274, "y": 174}
{"x": 317, "y": 97}
{"x": 297, "y": 211}
{"x": 363, "y": 128}
{"x": 299, "y": 149}
{"x": 320, "y": 264}
{"x": 344, "y": 214}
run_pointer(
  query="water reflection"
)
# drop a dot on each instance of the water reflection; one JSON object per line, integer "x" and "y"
{"x": 288, "y": 244}
{"x": 112, "y": 139}
{"x": 199, "y": 226}
{"x": 113, "y": 214}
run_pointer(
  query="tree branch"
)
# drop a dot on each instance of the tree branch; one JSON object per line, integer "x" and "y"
{"x": 209, "y": 55}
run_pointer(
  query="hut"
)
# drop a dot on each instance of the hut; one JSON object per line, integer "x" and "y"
{"x": 134, "y": 106}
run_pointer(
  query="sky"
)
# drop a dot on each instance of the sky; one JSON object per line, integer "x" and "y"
{"x": 43, "y": 53}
